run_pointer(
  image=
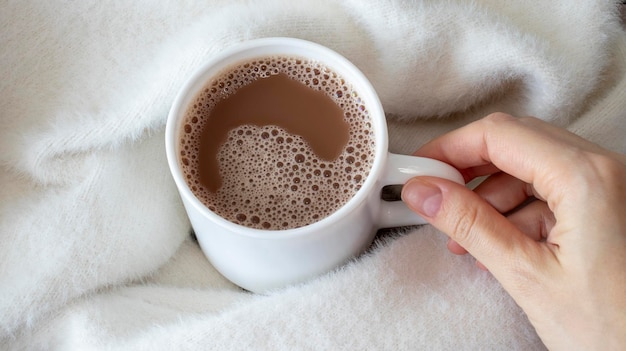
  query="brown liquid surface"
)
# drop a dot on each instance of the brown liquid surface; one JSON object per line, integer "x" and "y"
{"x": 276, "y": 143}
{"x": 277, "y": 101}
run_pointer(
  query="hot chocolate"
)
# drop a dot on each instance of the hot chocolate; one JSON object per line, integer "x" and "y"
{"x": 276, "y": 143}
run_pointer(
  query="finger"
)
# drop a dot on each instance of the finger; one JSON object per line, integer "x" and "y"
{"x": 481, "y": 266}
{"x": 472, "y": 172}
{"x": 470, "y": 221}
{"x": 501, "y": 191}
{"x": 504, "y": 192}
{"x": 478, "y": 171}
{"x": 455, "y": 248}
{"x": 535, "y": 220}
{"x": 527, "y": 148}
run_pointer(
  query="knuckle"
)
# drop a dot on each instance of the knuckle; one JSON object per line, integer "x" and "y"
{"x": 494, "y": 121}
{"x": 464, "y": 224}
{"x": 609, "y": 169}
{"x": 608, "y": 174}
{"x": 599, "y": 171}
{"x": 498, "y": 117}
{"x": 592, "y": 177}
{"x": 529, "y": 120}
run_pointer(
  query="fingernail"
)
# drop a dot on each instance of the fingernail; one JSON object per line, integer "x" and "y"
{"x": 423, "y": 197}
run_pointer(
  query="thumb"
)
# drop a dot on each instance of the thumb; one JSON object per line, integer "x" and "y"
{"x": 466, "y": 218}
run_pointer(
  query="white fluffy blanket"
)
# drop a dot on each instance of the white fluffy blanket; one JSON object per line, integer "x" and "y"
{"x": 96, "y": 251}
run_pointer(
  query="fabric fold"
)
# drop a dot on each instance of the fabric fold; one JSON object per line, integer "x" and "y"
{"x": 94, "y": 233}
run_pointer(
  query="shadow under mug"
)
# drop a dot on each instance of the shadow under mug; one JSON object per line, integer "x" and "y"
{"x": 262, "y": 260}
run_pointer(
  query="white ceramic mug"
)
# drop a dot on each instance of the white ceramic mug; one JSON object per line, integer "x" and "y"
{"x": 261, "y": 260}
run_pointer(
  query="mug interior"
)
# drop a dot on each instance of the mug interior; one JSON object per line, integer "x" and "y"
{"x": 272, "y": 47}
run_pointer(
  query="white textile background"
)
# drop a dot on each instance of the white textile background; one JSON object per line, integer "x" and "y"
{"x": 95, "y": 249}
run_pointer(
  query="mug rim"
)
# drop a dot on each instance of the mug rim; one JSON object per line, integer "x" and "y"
{"x": 223, "y": 60}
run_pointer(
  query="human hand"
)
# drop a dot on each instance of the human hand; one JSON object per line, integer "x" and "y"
{"x": 562, "y": 257}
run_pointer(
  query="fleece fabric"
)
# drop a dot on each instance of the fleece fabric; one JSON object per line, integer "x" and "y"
{"x": 95, "y": 247}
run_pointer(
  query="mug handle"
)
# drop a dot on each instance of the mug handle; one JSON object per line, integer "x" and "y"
{"x": 401, "y": 168}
